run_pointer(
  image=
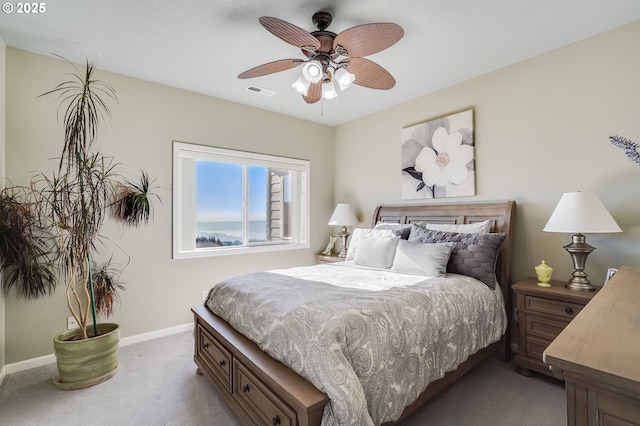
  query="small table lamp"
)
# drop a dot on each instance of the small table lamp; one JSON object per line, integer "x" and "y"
{"x": 577, "y": 213}
{"x": 343, "y": 216}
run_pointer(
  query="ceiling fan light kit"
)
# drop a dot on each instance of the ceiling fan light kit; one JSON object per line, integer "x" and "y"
{"x": 331, "y": 56}
{"x": 344, "y": 78}
{"x": 312, "y": 71}
{"x": 301, "y": 85}
{"x": 329, "y": 90}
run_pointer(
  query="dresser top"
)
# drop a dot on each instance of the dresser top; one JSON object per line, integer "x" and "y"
{"x": 603, "y": 341}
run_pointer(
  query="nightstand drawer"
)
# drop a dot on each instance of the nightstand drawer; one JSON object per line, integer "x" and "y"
{"x": 536, "y": 347}
{"x": 557, "y": 308}
{"x": 544, "y": 327}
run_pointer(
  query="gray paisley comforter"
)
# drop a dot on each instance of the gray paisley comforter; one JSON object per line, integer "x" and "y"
{"x": 371, "y": 352}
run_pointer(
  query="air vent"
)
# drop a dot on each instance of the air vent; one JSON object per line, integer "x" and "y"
{"x": 260, "y": 90}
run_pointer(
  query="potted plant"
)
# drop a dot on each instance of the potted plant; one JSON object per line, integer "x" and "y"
{"x": 50, "y": 229}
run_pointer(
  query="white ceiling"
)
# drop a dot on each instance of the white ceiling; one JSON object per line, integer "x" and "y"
{"x": 202, "y": 45}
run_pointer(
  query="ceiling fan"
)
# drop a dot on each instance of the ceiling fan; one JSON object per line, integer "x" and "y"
{"x": 330, "y": 56}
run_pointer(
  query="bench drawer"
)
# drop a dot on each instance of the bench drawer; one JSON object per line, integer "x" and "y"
{"x": 265, "y": 406}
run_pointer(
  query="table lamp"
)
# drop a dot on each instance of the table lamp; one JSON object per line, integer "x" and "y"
{"x": 343, "y": 216}
{"x": 578, "y": 213}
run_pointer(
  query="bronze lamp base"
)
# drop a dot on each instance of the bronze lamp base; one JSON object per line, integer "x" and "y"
{"x": 579, "y": 250}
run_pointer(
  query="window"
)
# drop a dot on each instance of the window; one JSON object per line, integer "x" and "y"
{"x": 230, "y": 202}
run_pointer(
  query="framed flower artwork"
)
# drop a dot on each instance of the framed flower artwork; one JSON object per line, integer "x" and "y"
{"x": 438, "y": 158}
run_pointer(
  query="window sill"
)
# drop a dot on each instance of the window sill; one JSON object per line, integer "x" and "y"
{"x": 232, "y": 251}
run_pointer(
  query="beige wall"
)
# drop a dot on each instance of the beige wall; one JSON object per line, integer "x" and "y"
{"x": 3, "y": 54}
{"x": 148, "y": 117}
{"x": 541, "y": 129}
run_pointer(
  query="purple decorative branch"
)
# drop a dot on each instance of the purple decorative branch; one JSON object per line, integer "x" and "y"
{"x": 630, "y": 148}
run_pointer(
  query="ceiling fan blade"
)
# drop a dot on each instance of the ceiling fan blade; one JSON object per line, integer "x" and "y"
{"x": 270, "y": 68}
{"x": 368, "y": 39}
{"x": 369, "y": 74}
{"x": 290, "y": 33}
{"x": 314, "y": 94}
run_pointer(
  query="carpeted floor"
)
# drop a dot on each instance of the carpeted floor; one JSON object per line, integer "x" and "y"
{"x": 157, "y": 385}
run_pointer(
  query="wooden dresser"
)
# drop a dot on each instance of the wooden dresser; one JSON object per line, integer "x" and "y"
{"x": 598, "y": 355}
{"x": 237, "y": 367}
{"x": 542, "y": 313}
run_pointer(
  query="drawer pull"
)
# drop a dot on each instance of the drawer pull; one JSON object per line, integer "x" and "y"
{"x": 222, "y": 363}
{"x": 245, "y": 388}
{"x": 276, "y": 420}
{"x": 206, "y": 345}
{"x": 569, "y": 310}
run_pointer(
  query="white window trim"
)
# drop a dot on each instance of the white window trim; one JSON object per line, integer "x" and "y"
{"x": 181, "y": 194}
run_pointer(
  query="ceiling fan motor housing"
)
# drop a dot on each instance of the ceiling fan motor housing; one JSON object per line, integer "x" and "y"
{"x": 321, "y": 20}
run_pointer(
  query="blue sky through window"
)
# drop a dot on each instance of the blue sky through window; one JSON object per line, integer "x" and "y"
{"x": 219, "y": 191}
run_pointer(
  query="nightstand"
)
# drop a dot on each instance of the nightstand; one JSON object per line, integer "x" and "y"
{"x": 331, "y": 258}
{"x": 542, "y": 313}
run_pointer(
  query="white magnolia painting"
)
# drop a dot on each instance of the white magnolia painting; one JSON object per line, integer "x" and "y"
{"x": 438, "y": 158}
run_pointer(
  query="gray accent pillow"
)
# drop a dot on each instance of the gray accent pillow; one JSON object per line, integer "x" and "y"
{"x": 376, "y": 253}
{"x": 474, "y": 255}
{"x": 421, "y": 258}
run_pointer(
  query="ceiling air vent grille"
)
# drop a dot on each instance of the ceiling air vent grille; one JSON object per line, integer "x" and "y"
{"x": 260, "y": 90}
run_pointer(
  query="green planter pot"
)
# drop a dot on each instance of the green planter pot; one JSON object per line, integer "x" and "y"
{"x": 84, "y": 363}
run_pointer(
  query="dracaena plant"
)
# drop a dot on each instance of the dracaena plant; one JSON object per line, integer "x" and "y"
{"x": 49, "y": 230}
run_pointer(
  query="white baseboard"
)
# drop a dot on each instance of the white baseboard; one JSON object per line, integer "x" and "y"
{"x": 125, "y": 341}
{"x": 50, "y": 359}
{"x": 28, "y": 364}
{"x": 3, "y": 374}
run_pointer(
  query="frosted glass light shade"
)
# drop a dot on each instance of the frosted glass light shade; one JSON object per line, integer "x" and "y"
{"x": 329, "y": 90}
{"x": 344, "y": 78}
{"x": 312, "y": 71}
{"x": 581, "y": 213}
{"x": 301, "y": 85}
{"x": 343, "y": 216}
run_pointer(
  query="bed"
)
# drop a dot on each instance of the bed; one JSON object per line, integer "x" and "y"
{"x": 265, "y": 356}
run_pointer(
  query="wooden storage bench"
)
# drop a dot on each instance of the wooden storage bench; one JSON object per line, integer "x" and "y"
{"x": 259, "y": 389}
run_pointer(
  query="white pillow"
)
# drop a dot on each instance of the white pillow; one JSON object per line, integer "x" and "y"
{"x": 381, "y": 234}
{"x": 376, "y": 253}
{"x": 400, "y": 229}
{"x": 466, "y": 228}
{"x": 428, "y": 259}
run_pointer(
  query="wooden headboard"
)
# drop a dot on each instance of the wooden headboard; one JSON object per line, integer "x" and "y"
{"x": 501, "y": 216}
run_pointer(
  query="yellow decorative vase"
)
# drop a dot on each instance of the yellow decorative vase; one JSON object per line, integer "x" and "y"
{"x": 84, "y": 363}
{"x": 543, "y": 272}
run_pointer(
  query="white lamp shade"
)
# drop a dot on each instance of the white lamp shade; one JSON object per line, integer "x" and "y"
{"x": 301, "y": 85}
{"x": 328, "y": 90}
{"x": 344, "y": 78}
{"x": 312, "y": 71}
{"x": 343, "y": 216}
{"x": 581, "y": 213}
